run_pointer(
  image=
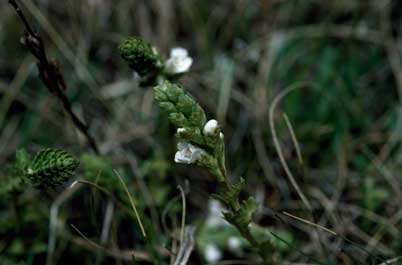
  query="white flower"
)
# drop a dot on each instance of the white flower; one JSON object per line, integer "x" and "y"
{"x": 181, "y": 130}
{"x": 179, "y": 61}
{"x": 212, "y": 253}
{"x": 187, "y": 153}
{"x": 211, "y": 127}
{"x": 234, "y": 243}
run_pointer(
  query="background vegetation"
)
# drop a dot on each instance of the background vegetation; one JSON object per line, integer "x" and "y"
{"x": 341, "y": 61}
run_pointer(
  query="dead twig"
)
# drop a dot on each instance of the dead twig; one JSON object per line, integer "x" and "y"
{"x": 49, "y": 73}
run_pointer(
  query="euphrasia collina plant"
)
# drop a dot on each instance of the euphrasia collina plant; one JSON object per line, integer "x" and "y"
{"x": 199, "y": 141}
{"x": 48, "y": 169}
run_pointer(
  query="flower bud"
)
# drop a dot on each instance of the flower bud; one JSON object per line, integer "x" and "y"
{"x": 211, "y": 127}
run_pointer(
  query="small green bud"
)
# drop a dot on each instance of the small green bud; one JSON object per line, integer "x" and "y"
{"x": 141, "y": 56}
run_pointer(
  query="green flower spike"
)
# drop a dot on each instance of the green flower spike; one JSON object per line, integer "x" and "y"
{"x": 199, "y": 142}
{"x": 183, "y": 110}
{"x": 141, "y": 56}
{"x": 202, "y": 143}
{"x": 51, "y": 168}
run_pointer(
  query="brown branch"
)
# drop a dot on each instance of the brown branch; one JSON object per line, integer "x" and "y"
{"x": 21, "y": 15}
{"x": 50, "y": 74}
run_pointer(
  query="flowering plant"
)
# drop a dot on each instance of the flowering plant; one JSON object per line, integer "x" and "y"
{"x": 200, "y": 142}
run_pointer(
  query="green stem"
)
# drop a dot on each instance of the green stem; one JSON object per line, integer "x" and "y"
{"x": 244, "y": 231}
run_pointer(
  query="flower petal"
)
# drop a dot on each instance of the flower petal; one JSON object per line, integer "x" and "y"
{"x": 178, "y": 52}
{"x": 187, "y": 153}
{"x": 184, "y": 65}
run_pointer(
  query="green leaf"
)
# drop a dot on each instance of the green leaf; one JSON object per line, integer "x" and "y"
{"x": 185, "y": 104}
{"x": 22, "y": 158}
{"x": 178, "y": 119}
{"x": 13, "y": 179}
{"x": 242, "y": 217}
{"x": 197, "y": 117}
{"x": 168, "y": 107}
{"x": 191, "y": 134}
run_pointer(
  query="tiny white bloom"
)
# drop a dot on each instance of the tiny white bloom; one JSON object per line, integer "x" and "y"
{"x": 179, "y": 61}
{"x": 221, "y": 136}
{"x": 234, "y": 243}
{"x": 181, "y": 130}
{"x": 211, "y": 127}
{"x": 212, "y": 253}
{"x": 187, "y": 153}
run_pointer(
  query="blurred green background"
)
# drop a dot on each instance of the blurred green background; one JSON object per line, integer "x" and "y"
{"x": 339, "y": 129}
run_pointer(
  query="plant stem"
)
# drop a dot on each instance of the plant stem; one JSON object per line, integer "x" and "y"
{"x": 233, "y": 207}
